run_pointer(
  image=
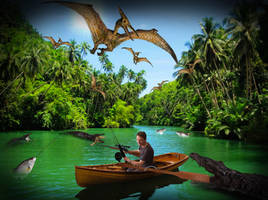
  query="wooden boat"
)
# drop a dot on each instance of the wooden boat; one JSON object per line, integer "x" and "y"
{"x": 116, "y": 173}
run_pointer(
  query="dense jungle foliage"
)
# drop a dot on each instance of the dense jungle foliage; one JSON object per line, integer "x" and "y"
{"x": 221, "y": 85}
{"x": 46, "y": 88}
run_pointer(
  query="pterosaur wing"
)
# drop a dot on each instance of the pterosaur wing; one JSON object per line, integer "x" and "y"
{"x": 129, "y": 49}
{"x": 163, "y": 82}
{"x": 145, "y": 60}
{"x": 51, "y": 39}
{"x": 184, "y": 71}
{"x": 94, "y": 22}
{"x": 66, "y": 43}
{"x": 102, "y": 93}
{"x": 153, "y": 37}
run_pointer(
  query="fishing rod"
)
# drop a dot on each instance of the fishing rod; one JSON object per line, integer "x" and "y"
{"x": 121, "y": 148}
{"x": 124, "y": 147}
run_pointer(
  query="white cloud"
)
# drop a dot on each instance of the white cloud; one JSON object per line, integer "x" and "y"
{"x": 79, "y": 23}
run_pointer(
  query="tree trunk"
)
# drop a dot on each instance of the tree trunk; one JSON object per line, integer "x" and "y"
{"x": 49, "y": 88}
{"x": 253, "y": 185}
{"x": 201, "y": 98}
{"x": 19, "y": 84}
{"x": 10, "y": 83}
{"x": 214, "y": 92}
{"x": 32, "y": 91}
{"x": 221, "y": 82}
{"x": 247, "y": 80}
{"x": 214, "y": 98}
{"x": 223, "y": 86}
{"x": 257, "y": 91}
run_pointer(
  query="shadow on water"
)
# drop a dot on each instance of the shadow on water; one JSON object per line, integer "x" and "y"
{"x": 142, "y": 189}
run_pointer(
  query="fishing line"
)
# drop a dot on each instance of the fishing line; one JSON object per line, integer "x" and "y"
{"x": 24, "y": 162}
{"x": 117, "y": 142}
{"x": 44, "y": 148}
{"x": 121, "y": 148}
{"x": 124, "y": 147}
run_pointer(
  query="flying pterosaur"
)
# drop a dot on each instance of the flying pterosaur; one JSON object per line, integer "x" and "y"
{"x": 137, "y": 59}
{"x": 159, "y": 85}
{"x": 191, "y": 69}
{"x": 57, "y": 44}
{"x": 124, "y": 23}
{"x": 95, "y": 88}
{"x": 102, "y": 35}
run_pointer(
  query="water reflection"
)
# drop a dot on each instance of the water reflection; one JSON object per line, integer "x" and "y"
{"x": 142, "y": 189}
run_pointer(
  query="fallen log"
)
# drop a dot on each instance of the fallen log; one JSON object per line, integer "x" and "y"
{"x": 253, "y": 185}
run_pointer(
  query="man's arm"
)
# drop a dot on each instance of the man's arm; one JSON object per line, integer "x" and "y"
{"x": 133, "y": 152}
{"x": 133, "y": 162}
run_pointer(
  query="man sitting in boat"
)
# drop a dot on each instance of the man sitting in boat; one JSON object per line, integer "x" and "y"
{"x": 145, "y": 152}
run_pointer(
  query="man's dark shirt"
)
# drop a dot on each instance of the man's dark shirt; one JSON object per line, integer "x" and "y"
{"x": 147, "y": 155}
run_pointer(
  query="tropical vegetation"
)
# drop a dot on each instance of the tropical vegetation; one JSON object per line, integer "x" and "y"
{"x": 221, "y": 81}
{"x": 46, "y": 88}
{"x": 221, "y": 85}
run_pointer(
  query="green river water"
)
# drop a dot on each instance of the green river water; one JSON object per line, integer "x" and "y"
{"x": 53, "y": 175}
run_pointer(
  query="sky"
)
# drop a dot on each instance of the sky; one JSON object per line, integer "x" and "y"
{"x": 176, "y": 21}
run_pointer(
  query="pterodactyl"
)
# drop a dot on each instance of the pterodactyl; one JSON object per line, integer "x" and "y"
{"x": 159, "y": 85}
{"x": 102, "y": 35}
{"x": 191, "y": 69}
{"x": 136, "y": 59}
{"x": 124, "y": 23}
{"x": 94, "y": 86}
{"x": 57, "y": 44}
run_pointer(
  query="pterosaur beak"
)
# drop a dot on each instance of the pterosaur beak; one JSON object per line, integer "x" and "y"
{"x": 133, "y": 30}
{"x": 126, "y": 30}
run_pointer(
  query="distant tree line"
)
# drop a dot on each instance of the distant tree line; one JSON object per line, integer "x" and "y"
{"x": 221, "y": 86}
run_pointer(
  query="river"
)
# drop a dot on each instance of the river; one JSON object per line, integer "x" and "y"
{"x": 52, "y": 176}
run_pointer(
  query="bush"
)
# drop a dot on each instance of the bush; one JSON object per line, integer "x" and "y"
{"x": 62, "y": 111}
{"x": 231, "y": 120}
{"x": 120, "y": 115}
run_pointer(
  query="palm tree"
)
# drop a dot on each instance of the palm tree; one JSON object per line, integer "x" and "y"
{"x": 74, "y": 53}
{"x": 9, "y": 61}
{"x": 106, "y": 63}
{"x": 193, "y": 71}
{"x": 194, "y": 84}
{"x": 121, "y": 74}
{"x": 84, "y": 47}
{"x": 131, "y": 75}
{"x": 209, "y": 42}
{"x": 10, "y": 65}
{"x": 20, "y": 61}
{"x": 243, "y": 27}
{"x": 59, "y": 70}
{"x": 33, "y": 60}
{"x": 140, "y": 80}
{"x": 212, "y": 42}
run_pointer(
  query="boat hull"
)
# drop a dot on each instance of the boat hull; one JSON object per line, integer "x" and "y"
{"x": 115, "y": 173}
